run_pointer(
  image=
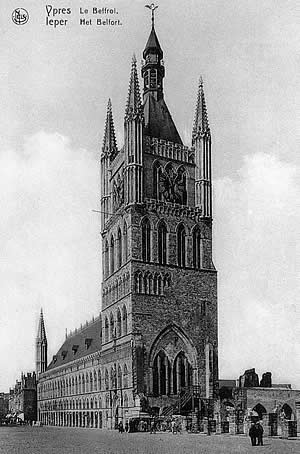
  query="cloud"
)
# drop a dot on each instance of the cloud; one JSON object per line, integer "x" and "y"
{"x": 257, "y": 255}
{"x": 50, "y": 245}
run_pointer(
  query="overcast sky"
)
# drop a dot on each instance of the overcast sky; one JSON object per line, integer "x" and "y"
{"x": 54, "y": 87}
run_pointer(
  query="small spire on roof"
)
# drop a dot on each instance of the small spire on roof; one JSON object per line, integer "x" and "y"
{"x": 134, "y": 104}
{"x": 201, "y": 124}
{"x": 109, "y": 140}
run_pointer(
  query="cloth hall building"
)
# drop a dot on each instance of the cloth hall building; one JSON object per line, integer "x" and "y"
{"x": 154, "y": 347}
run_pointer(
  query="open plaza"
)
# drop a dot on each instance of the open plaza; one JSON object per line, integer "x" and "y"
{"x": 46, "y": 440}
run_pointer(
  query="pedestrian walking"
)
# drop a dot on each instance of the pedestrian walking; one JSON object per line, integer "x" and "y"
{"x": 152, "y": 427}
{"x": 121, "y": 427}
{"x": 126, "y": 427}
{"x": 253, "y": 434}
{"x": 173, "y": 427}
{"x": 259, "y": 432}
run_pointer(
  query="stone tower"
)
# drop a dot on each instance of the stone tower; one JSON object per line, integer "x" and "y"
{"x": 159, "y": 292}
{"x": 41, "y": 347}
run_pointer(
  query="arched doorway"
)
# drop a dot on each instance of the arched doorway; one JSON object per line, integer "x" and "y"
{"x": 260, "y": 410}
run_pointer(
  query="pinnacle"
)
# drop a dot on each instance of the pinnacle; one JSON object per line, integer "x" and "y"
{"x": 134, "y": 104}
{"x": 201, "y": 124}
{"x": 109, "y": 140}
{"x": 41, "y": 334}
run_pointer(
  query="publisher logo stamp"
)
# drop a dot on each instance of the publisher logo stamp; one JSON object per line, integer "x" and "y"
{"x": 20, "y": 16}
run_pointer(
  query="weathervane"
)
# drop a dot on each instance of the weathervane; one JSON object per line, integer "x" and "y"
{"x": 153, "y": 8}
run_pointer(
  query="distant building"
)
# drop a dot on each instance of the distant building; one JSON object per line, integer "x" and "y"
{"x": 4, "y": 405}
{"x": 23, "y": 398}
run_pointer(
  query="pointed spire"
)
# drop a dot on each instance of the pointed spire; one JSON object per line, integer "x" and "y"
{"x": 109, "y": 140}
{"x": 201, "y": 120}
{"x": 41, "y": 334}
{"x": 134, "y": 104}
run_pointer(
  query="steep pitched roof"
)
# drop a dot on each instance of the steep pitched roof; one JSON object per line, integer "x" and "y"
{"x": 158, "y": 120}
{"x": 84, "y": 342}
{"x": 152, "y": 44}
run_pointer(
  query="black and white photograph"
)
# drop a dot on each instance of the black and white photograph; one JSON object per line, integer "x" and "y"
{"x": 149, "y": 229}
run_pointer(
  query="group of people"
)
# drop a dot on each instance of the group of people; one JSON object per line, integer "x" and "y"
{"x": 256, "y": 434}
{"x": 121, "y": 428}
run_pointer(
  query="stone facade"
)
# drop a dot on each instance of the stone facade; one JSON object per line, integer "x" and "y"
{"x": 154, "y": 347}
{"x": 23, "y": 398}
{"x": 276, "y": 406}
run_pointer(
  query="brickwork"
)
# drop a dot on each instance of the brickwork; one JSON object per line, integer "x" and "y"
{"x": 157, "y": 336}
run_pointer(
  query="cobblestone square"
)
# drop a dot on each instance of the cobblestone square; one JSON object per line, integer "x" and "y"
{"x": 46, "y": 440}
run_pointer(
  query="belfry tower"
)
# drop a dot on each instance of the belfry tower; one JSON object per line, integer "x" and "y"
{"x": 41, "y": 347}
{"x": 159, "y": 292}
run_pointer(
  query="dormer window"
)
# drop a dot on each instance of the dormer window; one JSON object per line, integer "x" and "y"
{"x": 64, "y": 354}
{"x": 74, "y": 349}
{"x": 88, "y": 342}
{"x": 54, "y": 358}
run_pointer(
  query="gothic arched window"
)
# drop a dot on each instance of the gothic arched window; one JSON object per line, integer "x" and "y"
{"x": 112, "y": 254}
{"x": 119, "y": 323}
{"x": 120, "y": 377}
{"x": 125, "y": 377}
{"x": 120, "y": 247}
{"x": 124, "y": 330}
{"x": 162, "y": 243}
{"x": 106, "y": 259}
{"x": 181, "y": 247}
{"x": 181, "y": 185}
{"x": 161, "y": 375}
{"x": 112, "y": 326}
{"x": 156, "y": 181}
{"x": 196, "y": 248}
{"x": 146, "y": 243}
{"x": 106, "y": 330}
{"x": 182, "y": 373}
{"x": 125, "y": 242}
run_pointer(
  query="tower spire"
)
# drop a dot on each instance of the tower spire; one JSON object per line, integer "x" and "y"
{"x": 41, "y": 346}
{"x": 134, "y": 104}
{"x": 109, "y": 141}
{"x": 201, "y": 124}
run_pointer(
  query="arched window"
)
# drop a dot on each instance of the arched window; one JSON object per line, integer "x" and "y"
{"x": 125, "y": 377}
{"x": 182, "y": 373}
{"x": 146, "y": 232}
{"x": 124, "y": 320}
{"x": 181, "y": 246}
{"x": 106, "y": 379}
{"x": 181, "y": 186}
{"x": 91, "y": 382}
{"x": 156, "y": 181}
{"x": 161, "y": 375}
{"x": 125, "y": 400}
{"x": 119, "y": 323}
{"x": 125, "y": 238}
{"x": 106, "y": 330}
{"x": 106, "y": 260}
{"x": 112, "y": 326}
{"x": 113, "y": 377}
{"x": 120, "y": 247}
{"x": 119, "y": 377}
{"x": 99, "y": 380}
{"x": 162, "y": 243}
{"x": 112, "y": 255}
{"x": 196, "y": 248}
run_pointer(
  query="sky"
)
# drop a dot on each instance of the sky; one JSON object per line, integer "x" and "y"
{"x": 54, "y": 87}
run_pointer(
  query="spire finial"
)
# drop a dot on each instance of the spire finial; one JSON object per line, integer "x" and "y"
{"x": 201, "y": 124}
{"x": 152, "y": 7}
